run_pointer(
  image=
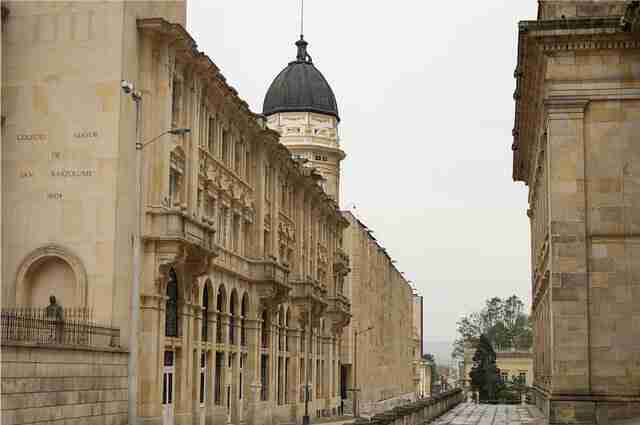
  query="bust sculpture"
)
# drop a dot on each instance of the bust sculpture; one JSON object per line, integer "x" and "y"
{"x": 54, "y": 310}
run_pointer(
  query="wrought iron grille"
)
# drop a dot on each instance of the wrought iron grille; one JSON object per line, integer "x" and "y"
{"x": 30, "y": 324}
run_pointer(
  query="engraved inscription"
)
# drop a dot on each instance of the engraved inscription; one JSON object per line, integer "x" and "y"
{"x": 25, "y": 174}
{"x": 57, "y": 196}
{"x": 56, "y": 155}
{"x": 85, "y": 135}
{"x": 72, "y": 172}
{"x": 31, "y": 138}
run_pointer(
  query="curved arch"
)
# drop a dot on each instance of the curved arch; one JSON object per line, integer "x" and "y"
{"x": 37, "y": 257}
{"x": 207, "y": 294}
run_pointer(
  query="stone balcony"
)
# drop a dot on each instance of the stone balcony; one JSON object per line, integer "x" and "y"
{"x": 176, "y": 226}
{"x": 310, "y": 295}
{"x": 272, "y": 281}
{"x": 339, "y": 312}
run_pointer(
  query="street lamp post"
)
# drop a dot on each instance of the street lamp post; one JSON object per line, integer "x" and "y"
{"x": 128, "y": 88}
{"x": 356, "y": 410}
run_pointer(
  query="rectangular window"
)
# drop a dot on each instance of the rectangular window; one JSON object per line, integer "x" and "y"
{"x": 247, "y": 165}
{"x": 225, "y": 147}
{"x": 523, "y": 378}
{"x": 264, "y": 376}
{"x": 236, "y": 232}
{"x": 176, "y": 102}
{"x": 173, "y": 187}
{"x": 267, "y": 244}
{"x": 279, "y": 375}
{"x": 218, "y": 378}
{"x": 203, "y": 370}
{"x": 302, "y": 380}
{"x": 238, "y": 158}
{"x": 286, "y": 381}
{"x": 243, "y": 359}
{"x": 211, "y": 139}
{"x": 267, "y": 183}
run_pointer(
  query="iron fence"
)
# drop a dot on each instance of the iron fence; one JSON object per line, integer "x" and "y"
{"x": 28, "y": 324}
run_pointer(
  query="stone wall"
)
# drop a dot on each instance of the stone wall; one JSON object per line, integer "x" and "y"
{"x": 384, "y": 301}
{"x": 418, "y": 412}
{"x": 576, "y": 129}
{"x": 553, "y": 9}
{"x": 63, "y": 385}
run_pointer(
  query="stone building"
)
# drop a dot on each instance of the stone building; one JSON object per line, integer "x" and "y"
{"x": 576, "y": 121}
{"x": 513, "y": 364}
{"x": 242, "y": 265}
{"x": 243, "y": 298}
{"x": 383, "y": 301}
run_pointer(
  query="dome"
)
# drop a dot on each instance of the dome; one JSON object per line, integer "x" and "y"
{"x": 300, "y": 87}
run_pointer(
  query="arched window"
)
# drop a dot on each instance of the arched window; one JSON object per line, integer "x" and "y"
{"x": 232, "y": 317}
{"x": 205, "y": 313}
{"x": 243, "y": 316}
{"x": 171, "y": 308}
{"x": 221, "y": 302}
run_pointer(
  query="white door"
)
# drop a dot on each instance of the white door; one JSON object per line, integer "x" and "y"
{"x": 168, "y": 387}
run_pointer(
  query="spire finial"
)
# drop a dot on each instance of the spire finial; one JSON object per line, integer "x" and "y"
{"x": 302, "y": 55}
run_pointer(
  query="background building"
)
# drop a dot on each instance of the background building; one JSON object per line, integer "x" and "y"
{"x": 577, "y": 110}
{"x": 512, "y": 364}
{"x": 381, "y": 299}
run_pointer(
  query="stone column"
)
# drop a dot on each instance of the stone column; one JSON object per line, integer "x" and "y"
{"x": 197, "y": 352}
{"x": 293, "y": 389}
{"x": 252, "y": 370}
{"x": 151, "y": 354}
{"x": 569, "y": 283}
{"x": 184, "y": 366}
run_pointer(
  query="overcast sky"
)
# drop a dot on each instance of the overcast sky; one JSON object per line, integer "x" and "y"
{"x": 424, "y": 91}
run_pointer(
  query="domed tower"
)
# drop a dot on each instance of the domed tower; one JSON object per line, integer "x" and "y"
{"x": 301, "y": 106}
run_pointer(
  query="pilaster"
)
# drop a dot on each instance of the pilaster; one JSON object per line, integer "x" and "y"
{"x": 569, "y": 281}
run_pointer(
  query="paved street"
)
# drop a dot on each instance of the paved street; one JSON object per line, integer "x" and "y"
{"x": 484, "y": 414}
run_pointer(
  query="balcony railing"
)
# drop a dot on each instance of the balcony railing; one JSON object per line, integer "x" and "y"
{"x": 31, "y": 325}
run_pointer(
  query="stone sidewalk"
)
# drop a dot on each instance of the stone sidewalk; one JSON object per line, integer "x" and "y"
{"x": 486, "y": 414}
{"x": 477, "y": 414}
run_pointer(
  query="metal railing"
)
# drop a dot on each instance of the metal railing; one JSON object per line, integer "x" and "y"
{"x": 32, "y": 325}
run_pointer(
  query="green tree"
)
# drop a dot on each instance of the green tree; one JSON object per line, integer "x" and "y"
{"x": 502, "y": 321}
{"x": 485, "y": 375}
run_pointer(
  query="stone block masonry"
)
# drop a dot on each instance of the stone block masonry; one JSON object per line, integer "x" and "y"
{"x": 63, "y": 385}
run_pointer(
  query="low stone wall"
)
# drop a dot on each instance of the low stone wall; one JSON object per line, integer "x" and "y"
{"x": 57, "y": 384}
{"x": 418, "y": 412}
{"x": 371, "y": 408}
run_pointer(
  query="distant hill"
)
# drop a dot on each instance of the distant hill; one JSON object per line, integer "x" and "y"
{"x": 441, "y": 350}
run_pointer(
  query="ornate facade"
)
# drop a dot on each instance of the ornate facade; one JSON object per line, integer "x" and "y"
{"x": 243, "y": 296}
{"x": 575, "y": 125}
{"x": 242, "y": 265}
